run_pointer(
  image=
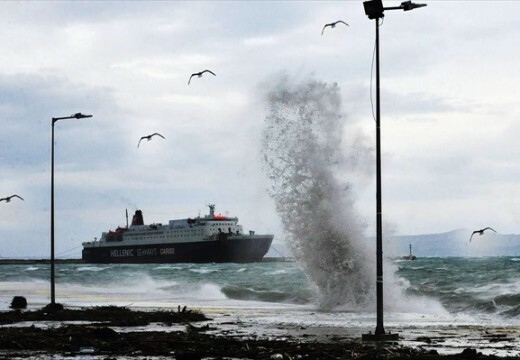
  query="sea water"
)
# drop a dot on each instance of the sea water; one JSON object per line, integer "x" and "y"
{"x": 482, "y": 288}
{"x": 278, "y": 298}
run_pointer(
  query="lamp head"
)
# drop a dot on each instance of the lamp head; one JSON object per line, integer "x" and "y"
{"x": 374, "y": 9}
{"x": 408, "y": 5}
{"x": 80, "y": 116}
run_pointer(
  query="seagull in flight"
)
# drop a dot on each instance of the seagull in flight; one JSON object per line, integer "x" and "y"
{"x": 333, "y": 25}
{"x": 199, "y": 74}
{"x": 8, "y": 199}
{"x": 149, "y": 137}
{"x": 480, "y": 232}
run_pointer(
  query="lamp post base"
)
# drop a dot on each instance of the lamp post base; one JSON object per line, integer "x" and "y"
{"x": 380, "y": 337}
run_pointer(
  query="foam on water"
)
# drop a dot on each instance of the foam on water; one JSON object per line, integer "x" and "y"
{"x": 91, "y": 268}
{"x": 164, "y": 267}
{"x": 31, "y": 268}
{"x": 208, "y": 292}
{"x": 204, "y": 270}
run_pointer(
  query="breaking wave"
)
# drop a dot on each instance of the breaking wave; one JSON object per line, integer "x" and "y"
{"x": 304, "y": 159}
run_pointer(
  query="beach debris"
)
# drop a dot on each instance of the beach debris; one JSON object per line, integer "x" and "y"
{"x": 149, "y": 137}
{"x": 187, "y": 355}
{"x": 8, "y": 198}
{"x": 87, "y": 350}
{"x": 333, "y": 25}
{"x": 480, "y": 232}
{"x": 424, "y": 339}
{"x": 199, "y": 74}
{"x": 497, "y": 337}
{"x": 276, "y": 357}
{"x": 18, "y": 302}
{"x": 105, "y": 333}
{"x": 183, "y": 310}
{"x": 469, "y": 353}
{"x": 190, "y": 327}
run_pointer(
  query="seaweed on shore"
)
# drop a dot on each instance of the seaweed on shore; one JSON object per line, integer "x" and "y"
{"x": 98, "y": 338}
{"x": 71, "y": 340}
{"x": 108, "y": 315}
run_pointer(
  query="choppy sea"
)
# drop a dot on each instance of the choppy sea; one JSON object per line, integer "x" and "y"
{"x": 432, "y": 292}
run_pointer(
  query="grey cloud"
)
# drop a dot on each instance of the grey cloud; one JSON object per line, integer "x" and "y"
{"x": 419, "y": 103}
{"x": 27, "y": 104}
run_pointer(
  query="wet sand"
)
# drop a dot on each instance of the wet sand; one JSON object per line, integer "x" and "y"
{"x": 109, "y": 332}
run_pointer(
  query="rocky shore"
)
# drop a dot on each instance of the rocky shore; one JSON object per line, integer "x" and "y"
{"x": 110, "y": 332}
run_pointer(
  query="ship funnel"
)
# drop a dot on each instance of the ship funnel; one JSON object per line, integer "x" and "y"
{"x": 138, "y": 218}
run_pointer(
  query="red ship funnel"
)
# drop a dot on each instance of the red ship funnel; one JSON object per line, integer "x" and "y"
{"x": 138, "y": 218}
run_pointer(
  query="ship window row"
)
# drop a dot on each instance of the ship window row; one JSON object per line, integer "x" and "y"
{"x": 159, "y": 237}
{"x": 188, "y": 233}
{"x": 195, "y": 231}
{"x": 164, "y": 236}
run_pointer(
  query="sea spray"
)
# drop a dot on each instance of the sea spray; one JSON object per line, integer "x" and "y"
{"x": 308, "y": 170}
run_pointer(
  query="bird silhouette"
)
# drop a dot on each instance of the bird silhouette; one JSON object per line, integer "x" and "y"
{"x": 333, "y": 25}
{"x": 149, "y": 137}
{"x": 8, "y": 199}
{"x": 480, "y": 232}
{"x": 199, "y": 74}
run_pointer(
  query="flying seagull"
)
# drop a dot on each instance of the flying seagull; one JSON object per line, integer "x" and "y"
{"x": 480, "y": 232}
{"x": 149, "y": 137}
{"x": 199, "y": 74}
{"x": 7, "y": 199}
{"x": 333, "y": 25}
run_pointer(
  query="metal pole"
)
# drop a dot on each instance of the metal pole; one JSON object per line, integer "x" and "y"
{"x": 374, "y": 10}
{"x": 380, "y": 330}
{"x": 53, "y": 298}
{"x": 75, "y": 116}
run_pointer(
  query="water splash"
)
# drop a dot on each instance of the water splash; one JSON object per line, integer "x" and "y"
{"x": 308, "y": 170}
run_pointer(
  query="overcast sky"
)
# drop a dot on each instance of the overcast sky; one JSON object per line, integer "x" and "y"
{"x": 450, "y": 100}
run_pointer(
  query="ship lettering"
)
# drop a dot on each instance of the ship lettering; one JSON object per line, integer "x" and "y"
{"x": 122, "y": 253}
{"x": 168, "y": 251}
{"x": 147, "y": 252}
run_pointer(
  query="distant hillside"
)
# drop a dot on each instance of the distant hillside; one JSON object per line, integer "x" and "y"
{"x": 454, "y": 243}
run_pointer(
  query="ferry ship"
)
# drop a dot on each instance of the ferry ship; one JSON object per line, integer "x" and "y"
{"x": 208, "y": 239}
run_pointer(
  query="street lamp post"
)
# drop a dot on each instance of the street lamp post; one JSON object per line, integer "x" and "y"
{"x": 75, "y": 116}
{"x": 374, "y": 10}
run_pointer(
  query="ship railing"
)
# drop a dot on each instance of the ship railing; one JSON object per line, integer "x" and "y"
{"x": 92, "y": 243}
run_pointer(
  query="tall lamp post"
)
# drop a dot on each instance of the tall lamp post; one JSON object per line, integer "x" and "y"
{"x": 75, "y": 116}
{"x": 374, "y": 10}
